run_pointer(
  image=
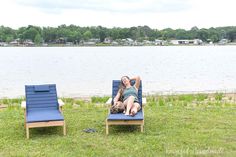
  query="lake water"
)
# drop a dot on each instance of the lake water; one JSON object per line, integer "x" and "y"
{"x": 86, "y": 71}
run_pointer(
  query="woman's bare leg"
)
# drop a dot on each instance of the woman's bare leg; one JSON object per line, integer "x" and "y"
{"x": 125, "y": 104}
{"x": 130, "y": 103}
{"x": 134, "y": 109}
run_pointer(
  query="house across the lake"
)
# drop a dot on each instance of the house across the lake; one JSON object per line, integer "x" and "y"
{"x": 186, "y": 42}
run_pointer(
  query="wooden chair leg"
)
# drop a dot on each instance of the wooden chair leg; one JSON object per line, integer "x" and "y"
{"x": 25, "y": 118}
{"x": 64, "y": 128}
{"x": 141, "y": 128}
{"x": 27, "y": 132}
{"x": 107, "y": 128}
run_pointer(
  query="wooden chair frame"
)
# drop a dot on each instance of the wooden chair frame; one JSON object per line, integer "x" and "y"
{"x": 43, "y": 124}
{"x": 125, "y": 122}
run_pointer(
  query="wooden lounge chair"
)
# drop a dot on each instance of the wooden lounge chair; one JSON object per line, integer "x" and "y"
{"x": 120, "y": 118}
{"x": 42, "y": 107}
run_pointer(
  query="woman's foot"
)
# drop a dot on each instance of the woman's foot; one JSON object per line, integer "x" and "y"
{"x": 133, "y": 113}
{"x": 127, "y": 113}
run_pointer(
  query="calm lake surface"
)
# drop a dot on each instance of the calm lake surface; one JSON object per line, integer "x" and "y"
{"x": 86, "y": 71}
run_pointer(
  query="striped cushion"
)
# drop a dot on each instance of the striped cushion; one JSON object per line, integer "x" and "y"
{"x": 41, "y": 97}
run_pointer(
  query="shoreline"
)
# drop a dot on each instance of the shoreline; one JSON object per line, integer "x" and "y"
{"x": 187, "y": 100}
{"x": 107, "y": 45}
{"x": 155, "y": 94}
{"x": 63, "y": 46}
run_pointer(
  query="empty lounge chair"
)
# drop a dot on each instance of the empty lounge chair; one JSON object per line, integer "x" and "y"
{"x": 42, "y": 107}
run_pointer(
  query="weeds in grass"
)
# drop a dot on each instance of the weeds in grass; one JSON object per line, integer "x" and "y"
{"x": 96, "y": 99}
{"x": 171, "y": 98}
{"x": 219, "y": 96}
{"x": 12, "y": 103}
{"x": 151, "y": 98}
{"x": 186, "y": 97}
{"x": 68, "y": 100}
{"x": 80, "y": 102}
{"x": 161, "y": 101}
{"x": 201, "y": 97}
{"x": 152, "y": 103}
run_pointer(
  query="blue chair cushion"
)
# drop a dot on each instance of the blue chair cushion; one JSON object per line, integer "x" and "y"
{"x": 44, "y": 115}
{"x": 122, "y": 116}
{"x": 41, "y": 88}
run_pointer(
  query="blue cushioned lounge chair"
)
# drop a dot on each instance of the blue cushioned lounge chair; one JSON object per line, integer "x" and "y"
{"x": 121, "y": 118}
{"x": 42, "y": 107}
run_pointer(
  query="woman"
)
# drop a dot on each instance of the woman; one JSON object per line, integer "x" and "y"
{"x": 129, "y": 94}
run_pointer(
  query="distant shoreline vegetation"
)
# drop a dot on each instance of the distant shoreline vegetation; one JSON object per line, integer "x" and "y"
{"x": 73, "y": 35}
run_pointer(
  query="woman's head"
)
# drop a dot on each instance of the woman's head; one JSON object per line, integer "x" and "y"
{"x": 125, "y": 80}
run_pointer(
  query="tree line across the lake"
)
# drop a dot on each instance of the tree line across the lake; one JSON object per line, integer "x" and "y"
{"x": 75, "y": 34}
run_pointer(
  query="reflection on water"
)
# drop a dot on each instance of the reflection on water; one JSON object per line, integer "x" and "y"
{"x": 84, "y": 71}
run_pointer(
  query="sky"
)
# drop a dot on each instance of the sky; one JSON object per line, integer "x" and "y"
{"x": 157, "y": 14}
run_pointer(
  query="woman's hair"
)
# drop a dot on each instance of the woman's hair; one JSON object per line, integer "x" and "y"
{"x": 122, "y": 87}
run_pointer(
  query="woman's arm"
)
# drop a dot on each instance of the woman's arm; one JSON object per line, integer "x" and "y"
{"x": 137, "y": 81}
{"x": 117, "y": 97}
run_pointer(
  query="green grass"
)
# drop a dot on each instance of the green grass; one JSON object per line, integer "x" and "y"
{"x": 201, "y": 97}
{"x": 219, "y": 96}
{"x": 11, "y": 102}
{"x": 186, "y": 97}
{"x": 179, "y": 129}
{"x": 95, "y": 99}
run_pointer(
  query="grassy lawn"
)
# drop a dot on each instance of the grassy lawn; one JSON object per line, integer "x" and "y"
{"x": 186, "y": 125}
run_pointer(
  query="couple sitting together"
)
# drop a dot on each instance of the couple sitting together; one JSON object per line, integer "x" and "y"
{"x": 126, "y": 100}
